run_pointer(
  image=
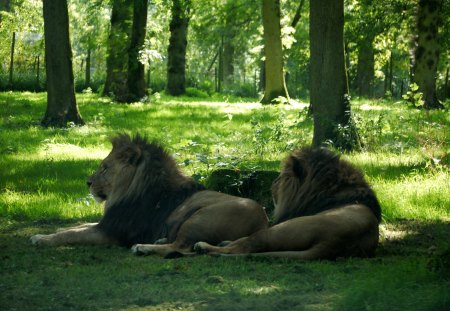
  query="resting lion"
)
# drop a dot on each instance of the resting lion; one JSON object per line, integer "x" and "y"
{"x": 324, "y": 209}
{"x": 148, "y": 200}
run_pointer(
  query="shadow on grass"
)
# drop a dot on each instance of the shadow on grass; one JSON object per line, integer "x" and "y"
{"x": 413, "y": 237}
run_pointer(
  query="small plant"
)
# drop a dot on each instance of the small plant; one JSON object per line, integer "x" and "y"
{"x": 413, "y": 97}
{"x": 370, "y": 130}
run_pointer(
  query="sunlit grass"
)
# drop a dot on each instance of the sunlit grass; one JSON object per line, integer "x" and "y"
{"x": 402, "y": 147}
{"x": 42, "y": 187}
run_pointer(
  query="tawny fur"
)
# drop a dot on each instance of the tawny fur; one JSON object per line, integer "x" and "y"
{"x": 148, "y": 199}
{"x": 324, "y": 209}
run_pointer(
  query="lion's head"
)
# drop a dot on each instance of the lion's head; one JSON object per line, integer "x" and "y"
{"x": 315, "y": 179}
{"x": 141, "y": 185}
{"x": 132, "y": 166}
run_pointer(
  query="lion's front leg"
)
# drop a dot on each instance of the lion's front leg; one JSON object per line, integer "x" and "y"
{"x": 160, "y": 249}
{"x": 81, "y": 235}
{"x": 78, "y": 227}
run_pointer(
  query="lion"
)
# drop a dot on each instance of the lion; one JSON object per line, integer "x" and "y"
{"x": 151, "y": 204}
{"x": 324, "y": 209}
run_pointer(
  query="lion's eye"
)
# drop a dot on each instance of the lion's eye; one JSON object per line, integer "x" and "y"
{"x": 104, "y": 169}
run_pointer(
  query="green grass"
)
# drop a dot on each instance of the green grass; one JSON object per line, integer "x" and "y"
{"x": 42, "y": 187}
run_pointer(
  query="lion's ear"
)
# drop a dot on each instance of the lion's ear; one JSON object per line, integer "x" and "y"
{"x": 131, "y": 154}
{"x": 297, "y": 167}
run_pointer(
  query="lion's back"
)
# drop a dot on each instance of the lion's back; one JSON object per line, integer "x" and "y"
{"x": 314, "y": 180}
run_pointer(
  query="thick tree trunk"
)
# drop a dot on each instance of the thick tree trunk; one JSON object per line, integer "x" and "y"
{"x": 176, "y": 66}
{"x": 136, "y": 74}
{"x": 275, "y": 85}
{"x": 426, "y": 55}
{"x": 227, "y": 64}
{"x": 329, "y": 88}
{"x": 365, "y": 70}
{"x": 118, "y": 44}
{"x": 61, "y": 103}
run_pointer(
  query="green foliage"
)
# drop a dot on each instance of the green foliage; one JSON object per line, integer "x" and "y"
{"x": 194, "y": 92}
{"x": 413, "y": 97}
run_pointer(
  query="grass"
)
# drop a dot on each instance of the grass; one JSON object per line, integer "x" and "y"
{"x": 405, "y": 157}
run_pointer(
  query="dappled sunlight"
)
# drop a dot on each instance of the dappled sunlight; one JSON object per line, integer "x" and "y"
{"x": 415, "y": 196}
{"x": 59, "y": 151}
{"x": 48, "y": 205}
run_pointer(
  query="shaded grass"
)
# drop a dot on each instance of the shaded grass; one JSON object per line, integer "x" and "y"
{"x": 42, "y": 186}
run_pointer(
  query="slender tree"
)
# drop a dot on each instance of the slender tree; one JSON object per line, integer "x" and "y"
{"x": 275, "y": 85}
{"x": 61, "y": 104}
{"x": 118, "y": 47}
{"x": 329, "y": 88}
{"x": 426, "y": 54}
{"x": 176, "y": 65}
{"x": 136, "y": 74}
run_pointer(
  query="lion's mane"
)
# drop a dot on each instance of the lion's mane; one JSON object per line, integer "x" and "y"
{"x": 313, "y": 180}
{"x": 138, "y": 208}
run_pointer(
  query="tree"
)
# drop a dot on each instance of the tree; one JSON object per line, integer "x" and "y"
{"x": 61, "y": 104}
{"x": 176, "y": 65}
{"x": 118, "y": 45}
{"x": 136, "y": 78}
{"x": 426, "y": 54}
{"x": 275, "y": 85}
{"x": 329, "y": 88}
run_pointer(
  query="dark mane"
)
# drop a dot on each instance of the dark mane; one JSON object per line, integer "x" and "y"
{"x": 321, "y": 181}
{"x": 157, "y": 189}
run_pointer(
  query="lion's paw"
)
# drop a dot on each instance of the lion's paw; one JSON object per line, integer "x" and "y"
{"x": 201, "y": 247}
{"x": 140, "y": 249}
{"x": 37, "y": 239}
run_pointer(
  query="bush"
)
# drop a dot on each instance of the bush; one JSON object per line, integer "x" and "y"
{"x": 194, "y": 92}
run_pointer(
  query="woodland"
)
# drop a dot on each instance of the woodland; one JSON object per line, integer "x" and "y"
{"x": 229, "y": 88}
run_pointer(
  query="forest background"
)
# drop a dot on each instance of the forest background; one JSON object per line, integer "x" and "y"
{"x": 211, "y": 120}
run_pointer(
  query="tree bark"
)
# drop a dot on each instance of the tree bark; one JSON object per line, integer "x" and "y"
{"x": 365, "y": 70}
{"x": 228, "y": 54}
{"x": 298, "y": 14}
{"x": 329, "y": 87}
{"x": 118, "y": 44}
{"x": 275, "y": 85}
{"x": 38, "y": 65}
{"x": 11, "y": 60}
{"x": 176, "y": 66}
{"x": 136, "y": 74}
{"x": 61, "y": 104}
{"x": 87, "y": 76}
{"x": 426, "y": 54}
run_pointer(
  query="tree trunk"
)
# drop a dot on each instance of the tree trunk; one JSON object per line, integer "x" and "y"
{"x": 11, "y": 62}
{"x": 275, "y": 85}
{"x": 329, "y": 88}
{"x": 176, "y": 66}
{"x": 61, "y": 104}
{"x": 38, "y": 64}
{"x": 446, "y": 85}
{"x": 228, "y": 54}
{"x": 426, "y": 54}
{"x": 136, "y": 74}
{"x": 87, "y": 76}
{"x": 365, "y": 70}
{"x": 227, "y": 64}
{"x": 118, "y": 44}
{"x": 298, "y": 14}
